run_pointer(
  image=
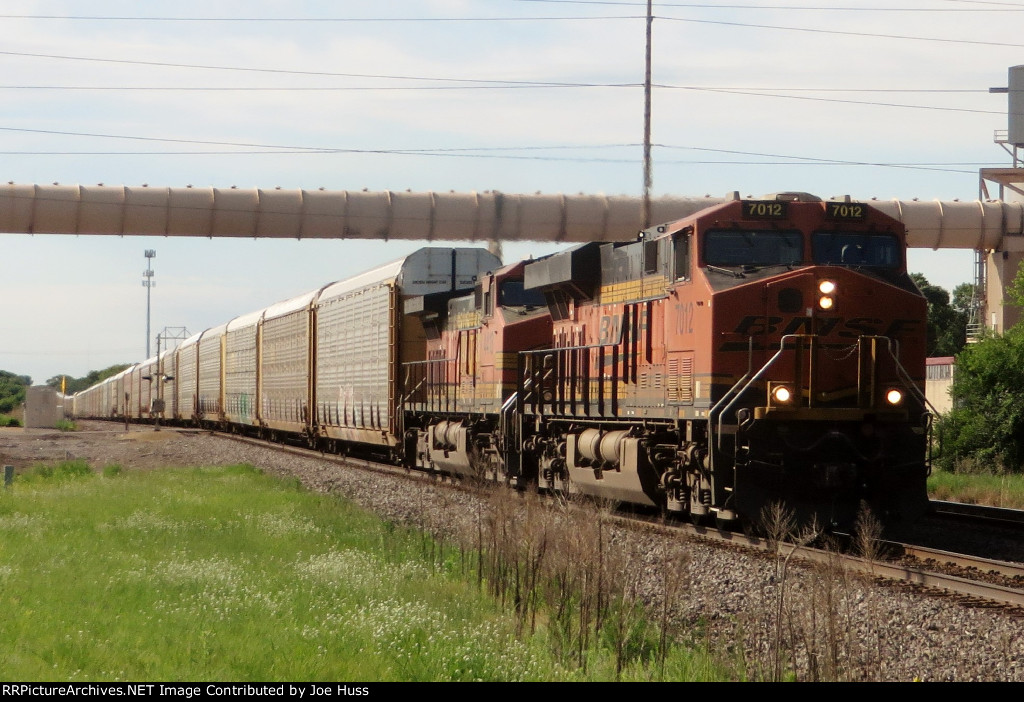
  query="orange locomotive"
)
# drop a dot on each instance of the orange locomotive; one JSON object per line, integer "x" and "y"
{"x": 460, "y": 401}
{"x": 759, "y": 351}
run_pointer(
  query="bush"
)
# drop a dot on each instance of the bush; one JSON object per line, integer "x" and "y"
{"x": 12, "y": 390}
{"x": 986, "y": 425}
{"x": 8, "y": 421}
{"x": 61, "y": 471}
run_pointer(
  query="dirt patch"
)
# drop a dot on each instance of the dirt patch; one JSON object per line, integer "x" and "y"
{"x": 99, "y": 445}
{"x": 149, "y": 436}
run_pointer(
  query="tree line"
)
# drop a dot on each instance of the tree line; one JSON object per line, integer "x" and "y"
{"x": 984, "y": 432}
{"x": 12, "y": 391}
{"x": 73, "y": 385}
{"x": 13, "y": 386}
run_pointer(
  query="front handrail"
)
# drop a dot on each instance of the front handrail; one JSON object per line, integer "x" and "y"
{"x": 735, "y": 392}
{"x": 757, "y": 376}
{"x": 730, "y": 391}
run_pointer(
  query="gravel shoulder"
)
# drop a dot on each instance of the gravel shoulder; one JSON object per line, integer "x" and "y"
{"x": 728, "y": 601}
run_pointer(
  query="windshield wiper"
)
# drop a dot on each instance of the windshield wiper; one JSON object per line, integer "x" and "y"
{"x": 725, "y": 271}
{"x": 789, "y": 266}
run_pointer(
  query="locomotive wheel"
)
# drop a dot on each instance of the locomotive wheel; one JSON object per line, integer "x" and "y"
{"x": 751, "y": 528}
{"x": 699, "y": 514}
{"x": 725, "y": 524}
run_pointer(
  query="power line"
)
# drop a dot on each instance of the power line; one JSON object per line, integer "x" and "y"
{"x": 829, "y": 90}
{"x": 751, "y": 91}
{"x": 291, "y": 88}
{"x": 278, "y": 71}
{"x": 158, "y": 139}
{"x": 938, "y": 167}
{"x": 1000, "y": 7}
{"x": 847, "y": 102}
{"x": 292, "y": 149}
{"x": 354, "y": 20}
{"x": 426, "y": 152}
{"x": 452, "y": 151}
{"x": 941, "y": 167}
{"x": 727, "y": 91}
{"x": 1011, "y": 7}
{"x": 810, "y": 160}
{"x": 872, "y": 35}
{"x": 463, "y": 152}
{"x": 522, "y": 85}
{"x": 987, "y": 2}
{"x": 466, "y": 81}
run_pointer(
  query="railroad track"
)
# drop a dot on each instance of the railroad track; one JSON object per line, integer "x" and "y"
{"x": 917, "y": 566}
{"x": 961, "y": 511}
{"x": 976, "y": 592}
{"x": 967, "y": 562}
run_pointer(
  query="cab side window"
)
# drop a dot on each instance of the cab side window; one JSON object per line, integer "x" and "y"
{"x": 681, "y": 254}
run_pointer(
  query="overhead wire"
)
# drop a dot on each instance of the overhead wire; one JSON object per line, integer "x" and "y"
{"x": 1012, "y": 7}
{"x": 278, "y": 71}
{"x": 479, "y": 152}
{"x": 750, "y": 90}
{"x": 113, "y": 18}
{"x": 993, "y": 7}
{"x": 755, "y": 92}
{"x": 462, "y": 83}
{"x": 840, "y": 32}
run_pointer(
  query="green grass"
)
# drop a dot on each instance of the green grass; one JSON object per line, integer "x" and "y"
{"x": 227, "y": 574}
{"x": 1005, "y": 490}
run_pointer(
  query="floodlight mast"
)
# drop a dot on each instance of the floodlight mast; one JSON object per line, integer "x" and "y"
{"x": 148, "y": 283}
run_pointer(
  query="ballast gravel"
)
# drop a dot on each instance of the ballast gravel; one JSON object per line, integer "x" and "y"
{"x": 763, "y": 615}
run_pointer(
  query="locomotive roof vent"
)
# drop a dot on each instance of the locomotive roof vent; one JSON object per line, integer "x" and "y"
{"x": 792, "y": 196}
{"x": 575, "y": 271}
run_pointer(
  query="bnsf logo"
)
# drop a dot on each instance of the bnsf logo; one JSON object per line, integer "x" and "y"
{"x": 756, "y": 325}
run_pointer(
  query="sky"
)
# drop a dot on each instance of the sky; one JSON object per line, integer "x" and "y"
{"x": 871, "y": 98}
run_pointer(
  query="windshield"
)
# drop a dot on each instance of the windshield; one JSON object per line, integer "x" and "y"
{"x": 744, "y": 247}
{"x": 513, "y": 295}
{"x": 856, "y": 249}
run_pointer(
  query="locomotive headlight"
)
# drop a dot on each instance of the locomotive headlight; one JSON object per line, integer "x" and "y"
{"x": 894, "y": 397}
{"x": 781, "y": 394}
{"x": 827, "y": 288}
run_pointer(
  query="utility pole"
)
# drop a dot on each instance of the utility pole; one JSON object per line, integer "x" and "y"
{"x": 148, "y": 283}
{"x": 648, "y": 178}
